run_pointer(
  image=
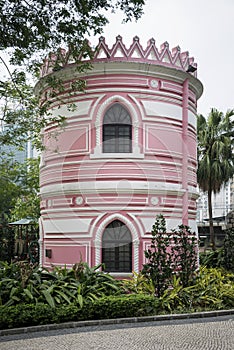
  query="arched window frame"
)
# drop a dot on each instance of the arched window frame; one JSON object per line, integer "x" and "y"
{"x": 117, "y": 130}
{"x": 101, "y": 225}
{"x": 98, "y": 114}
{"x": 117, "y": 248}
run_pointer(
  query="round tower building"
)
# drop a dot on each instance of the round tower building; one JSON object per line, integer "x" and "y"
{"x": 126, "y": 153}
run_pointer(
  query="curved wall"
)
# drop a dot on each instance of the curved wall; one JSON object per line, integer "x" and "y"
{"x": 84, "y": 189}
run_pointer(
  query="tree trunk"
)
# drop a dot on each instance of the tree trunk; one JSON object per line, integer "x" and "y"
{"x": 212, "y": 235}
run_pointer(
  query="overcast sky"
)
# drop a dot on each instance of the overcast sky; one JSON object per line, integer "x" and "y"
{"x": 205, "y": 28}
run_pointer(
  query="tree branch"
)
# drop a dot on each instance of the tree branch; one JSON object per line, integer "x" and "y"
{"x": 11, "y": 77}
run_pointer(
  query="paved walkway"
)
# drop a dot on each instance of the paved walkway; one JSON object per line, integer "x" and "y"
{"x": 215, "y": 333}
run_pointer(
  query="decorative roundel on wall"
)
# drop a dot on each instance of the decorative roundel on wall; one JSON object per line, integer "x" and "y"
{"x": 154, "y": 83}
{"x": 79, "y": 200}
{"x": 155, "y": 200}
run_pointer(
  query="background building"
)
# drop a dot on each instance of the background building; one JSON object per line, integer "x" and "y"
{"x": 17, "y": 155}
{"x": 222, "y": 204}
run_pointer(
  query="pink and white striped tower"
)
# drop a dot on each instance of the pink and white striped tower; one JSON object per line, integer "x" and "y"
{"x": 126, "y": 154}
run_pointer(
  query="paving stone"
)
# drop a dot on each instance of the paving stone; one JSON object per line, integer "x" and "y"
{"x": 215, "y": 333}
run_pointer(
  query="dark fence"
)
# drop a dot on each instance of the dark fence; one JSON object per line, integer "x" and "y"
{"x": 19, "y": 243}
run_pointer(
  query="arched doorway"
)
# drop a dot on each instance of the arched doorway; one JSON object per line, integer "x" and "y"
{"x": 117, "y": 247}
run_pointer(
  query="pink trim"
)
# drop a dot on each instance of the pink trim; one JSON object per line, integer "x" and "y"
{"x": 185, "y": 152}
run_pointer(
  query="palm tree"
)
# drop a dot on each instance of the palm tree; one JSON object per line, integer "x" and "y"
{"x": 215, "y": 155}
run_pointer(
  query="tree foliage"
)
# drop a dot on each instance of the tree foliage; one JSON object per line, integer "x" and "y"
{"x": 30, "y": 27}
{"x": 21, "y": 117}
{"x": 185, "y": 254}
{"x": 27, "y": 204}
{"x": 19, "y": 187}
{"x": 170, "y": 254}
{"x": 158, "y": 267}
{"x": 215, "y": 155}
{"x": 29, "y": 31}
{"x": 9, "y": 187}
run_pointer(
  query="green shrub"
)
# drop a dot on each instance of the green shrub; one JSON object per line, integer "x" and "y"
{"x": 212, "y": 259}
{"x": 131, "y": 305}
{"x": 69, "y": 313}
{"x": 108, "y": 307}
{"x": 24, "y": 315}
{"x": 158, "y": 268}
{"x": 139, "y": 284}
{"x": 223, "y": 257}
{"x": 228, "y": 250}
{"x": 185, "y": 254}
{"x": 213, "y": 289}
{"x": 169, "y": 253}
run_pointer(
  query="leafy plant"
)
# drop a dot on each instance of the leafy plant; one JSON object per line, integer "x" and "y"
{"x": 212, "y": 258}
{"x": 213, "y": 289}
{"x": 210, "y": 289}
{"x": 228, "y": 250}
{"x": 223, "y": 257}
{"x": 171, "y": 298}
{"x": 26, "y": 283}
{"x": 19, "y": 282}
{"x": 139, "y": 284}
{"x": 185, "y": 254}
{"x": 158, "y": 268}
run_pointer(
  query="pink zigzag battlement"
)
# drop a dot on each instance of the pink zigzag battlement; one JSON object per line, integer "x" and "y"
{"x": 135, "y": 53}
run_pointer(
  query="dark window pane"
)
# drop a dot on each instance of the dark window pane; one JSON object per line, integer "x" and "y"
{"x": 117, "y": 248}
{"x": 117, "y": 130}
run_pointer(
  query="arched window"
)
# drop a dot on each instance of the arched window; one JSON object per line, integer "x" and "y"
{"x": 117, "y": 130}
{"x": 117, "y": 247}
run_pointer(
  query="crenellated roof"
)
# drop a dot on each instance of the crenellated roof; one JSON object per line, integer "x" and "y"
{"x": 164, "y": 56}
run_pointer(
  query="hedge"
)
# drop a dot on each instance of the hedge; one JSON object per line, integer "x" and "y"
{"x": 24, "y": 315}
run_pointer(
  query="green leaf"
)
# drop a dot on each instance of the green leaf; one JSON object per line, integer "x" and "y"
{"x": 64, "y": 296}
{"x": 49, "y": 298}
{"x": 92, "y": 296}
{"x": 28, "y": 293}
{"x": 13, "y": 291}
{"x": 80, "y": 300}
